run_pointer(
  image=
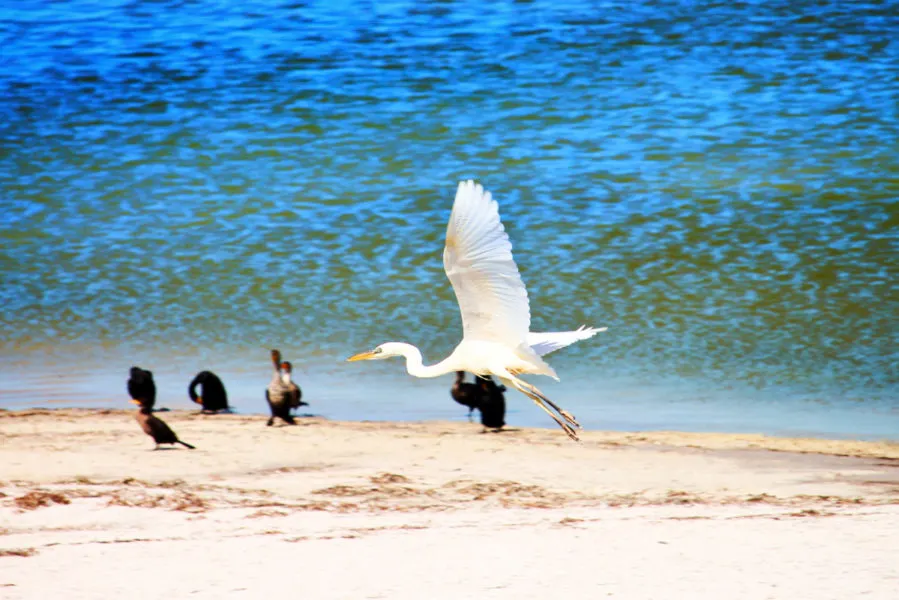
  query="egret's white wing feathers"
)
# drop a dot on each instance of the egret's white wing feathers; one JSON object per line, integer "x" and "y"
{"x": 544, "y": 343}
{"x": 478, "y": 261}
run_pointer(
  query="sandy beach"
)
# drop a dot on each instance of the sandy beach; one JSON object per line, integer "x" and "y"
{"x": 436, "y": 510}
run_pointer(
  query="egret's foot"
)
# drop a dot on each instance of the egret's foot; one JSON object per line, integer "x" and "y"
{"x": 569, "y": 417}
{"x": 565, "y": 414}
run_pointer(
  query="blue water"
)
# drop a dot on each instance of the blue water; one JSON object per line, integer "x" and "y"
{"x": 184, "y": 186}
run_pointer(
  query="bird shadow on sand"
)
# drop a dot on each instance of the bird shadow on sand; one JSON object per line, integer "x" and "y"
{"x": 503, "y": 430}
{"x": 298, "y": 420}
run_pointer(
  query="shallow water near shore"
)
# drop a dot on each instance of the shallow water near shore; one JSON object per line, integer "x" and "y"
{"x": 184, "y": 187}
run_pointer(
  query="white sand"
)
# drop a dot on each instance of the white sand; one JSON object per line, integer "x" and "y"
{"x": 436, "y": 510}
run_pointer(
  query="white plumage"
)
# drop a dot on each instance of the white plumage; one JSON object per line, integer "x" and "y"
{"x": 496, "y": 316}
{"x": 544, "y": 343}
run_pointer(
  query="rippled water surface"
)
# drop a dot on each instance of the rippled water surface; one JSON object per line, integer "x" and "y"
{"x": 185, "y": 185}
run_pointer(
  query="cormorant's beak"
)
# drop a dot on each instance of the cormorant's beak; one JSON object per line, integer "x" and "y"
{"x": 135, "y": 402}
{"x": 361, "y": 356}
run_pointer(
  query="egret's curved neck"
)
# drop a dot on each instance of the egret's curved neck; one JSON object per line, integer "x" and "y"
{"x": 414, "y": 363}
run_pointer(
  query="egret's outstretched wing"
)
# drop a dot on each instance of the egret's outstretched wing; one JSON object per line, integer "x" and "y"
{"x": 478, "y": 261}
{"x": 550, "y": 341}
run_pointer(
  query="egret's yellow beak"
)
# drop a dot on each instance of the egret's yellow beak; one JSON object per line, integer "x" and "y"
{"x": 361, "y": 356}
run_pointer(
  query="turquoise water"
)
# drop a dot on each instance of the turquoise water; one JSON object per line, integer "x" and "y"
{"x": 186, "y": 185}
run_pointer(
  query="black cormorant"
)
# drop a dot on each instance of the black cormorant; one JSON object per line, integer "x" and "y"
{"x": 156, "y": 427}
{"x": 492, "y": 403}
{"x": 213, "y": 396}
{"x": 466, "y": 394}
{"x": 141, "y": 387}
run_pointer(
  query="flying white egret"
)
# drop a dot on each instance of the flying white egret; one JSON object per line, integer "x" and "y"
{"x": 496, "y": 316}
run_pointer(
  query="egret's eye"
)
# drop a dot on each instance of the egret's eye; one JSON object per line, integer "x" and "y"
{"x": 377, "y": 351}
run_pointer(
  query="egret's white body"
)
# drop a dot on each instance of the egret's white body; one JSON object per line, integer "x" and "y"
{"x": 496, "y": 316}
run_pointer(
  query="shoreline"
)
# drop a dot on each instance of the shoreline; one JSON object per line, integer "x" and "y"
{"x": 717, "y": 440}
{"x": 86, "y": 506}
{"x": 386, "y": 395}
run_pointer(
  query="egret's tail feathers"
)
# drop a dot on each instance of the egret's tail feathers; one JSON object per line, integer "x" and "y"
{"x": 568, "y": 423}
{"x": 544, "y": 343}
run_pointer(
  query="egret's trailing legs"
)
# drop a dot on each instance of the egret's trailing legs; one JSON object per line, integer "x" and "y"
{"x": 568, "y": 425}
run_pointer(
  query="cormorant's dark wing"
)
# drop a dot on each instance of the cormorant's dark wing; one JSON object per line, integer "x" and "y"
{"x": 161, "y": 432}
{"x": 133, "y": 388}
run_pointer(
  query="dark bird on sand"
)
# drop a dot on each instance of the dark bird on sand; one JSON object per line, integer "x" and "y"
{"x": 213, "y": 396}
{"x": 141, "y": 387}
{"x": 492, "y": 403}
{"x": 282, "y": 393}
{"x": 466, "y": 394}
{"x": 156, "y": 428}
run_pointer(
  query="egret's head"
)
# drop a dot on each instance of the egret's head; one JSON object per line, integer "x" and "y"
{"x": 381, "y": 352}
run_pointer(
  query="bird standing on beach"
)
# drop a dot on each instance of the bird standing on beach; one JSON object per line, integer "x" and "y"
{"x": 282, "y": 393}
{"x": 466, "y": 394}
{"x": 156, "y": 427}
{"x": 496, "y": 316}
{"x": 492, "y": 404}
{"x": 142, "y": 387}
{"x": 213, "y": 396}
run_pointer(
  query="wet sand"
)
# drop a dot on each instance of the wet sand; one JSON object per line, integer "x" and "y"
{"x": 439, "y": 510}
